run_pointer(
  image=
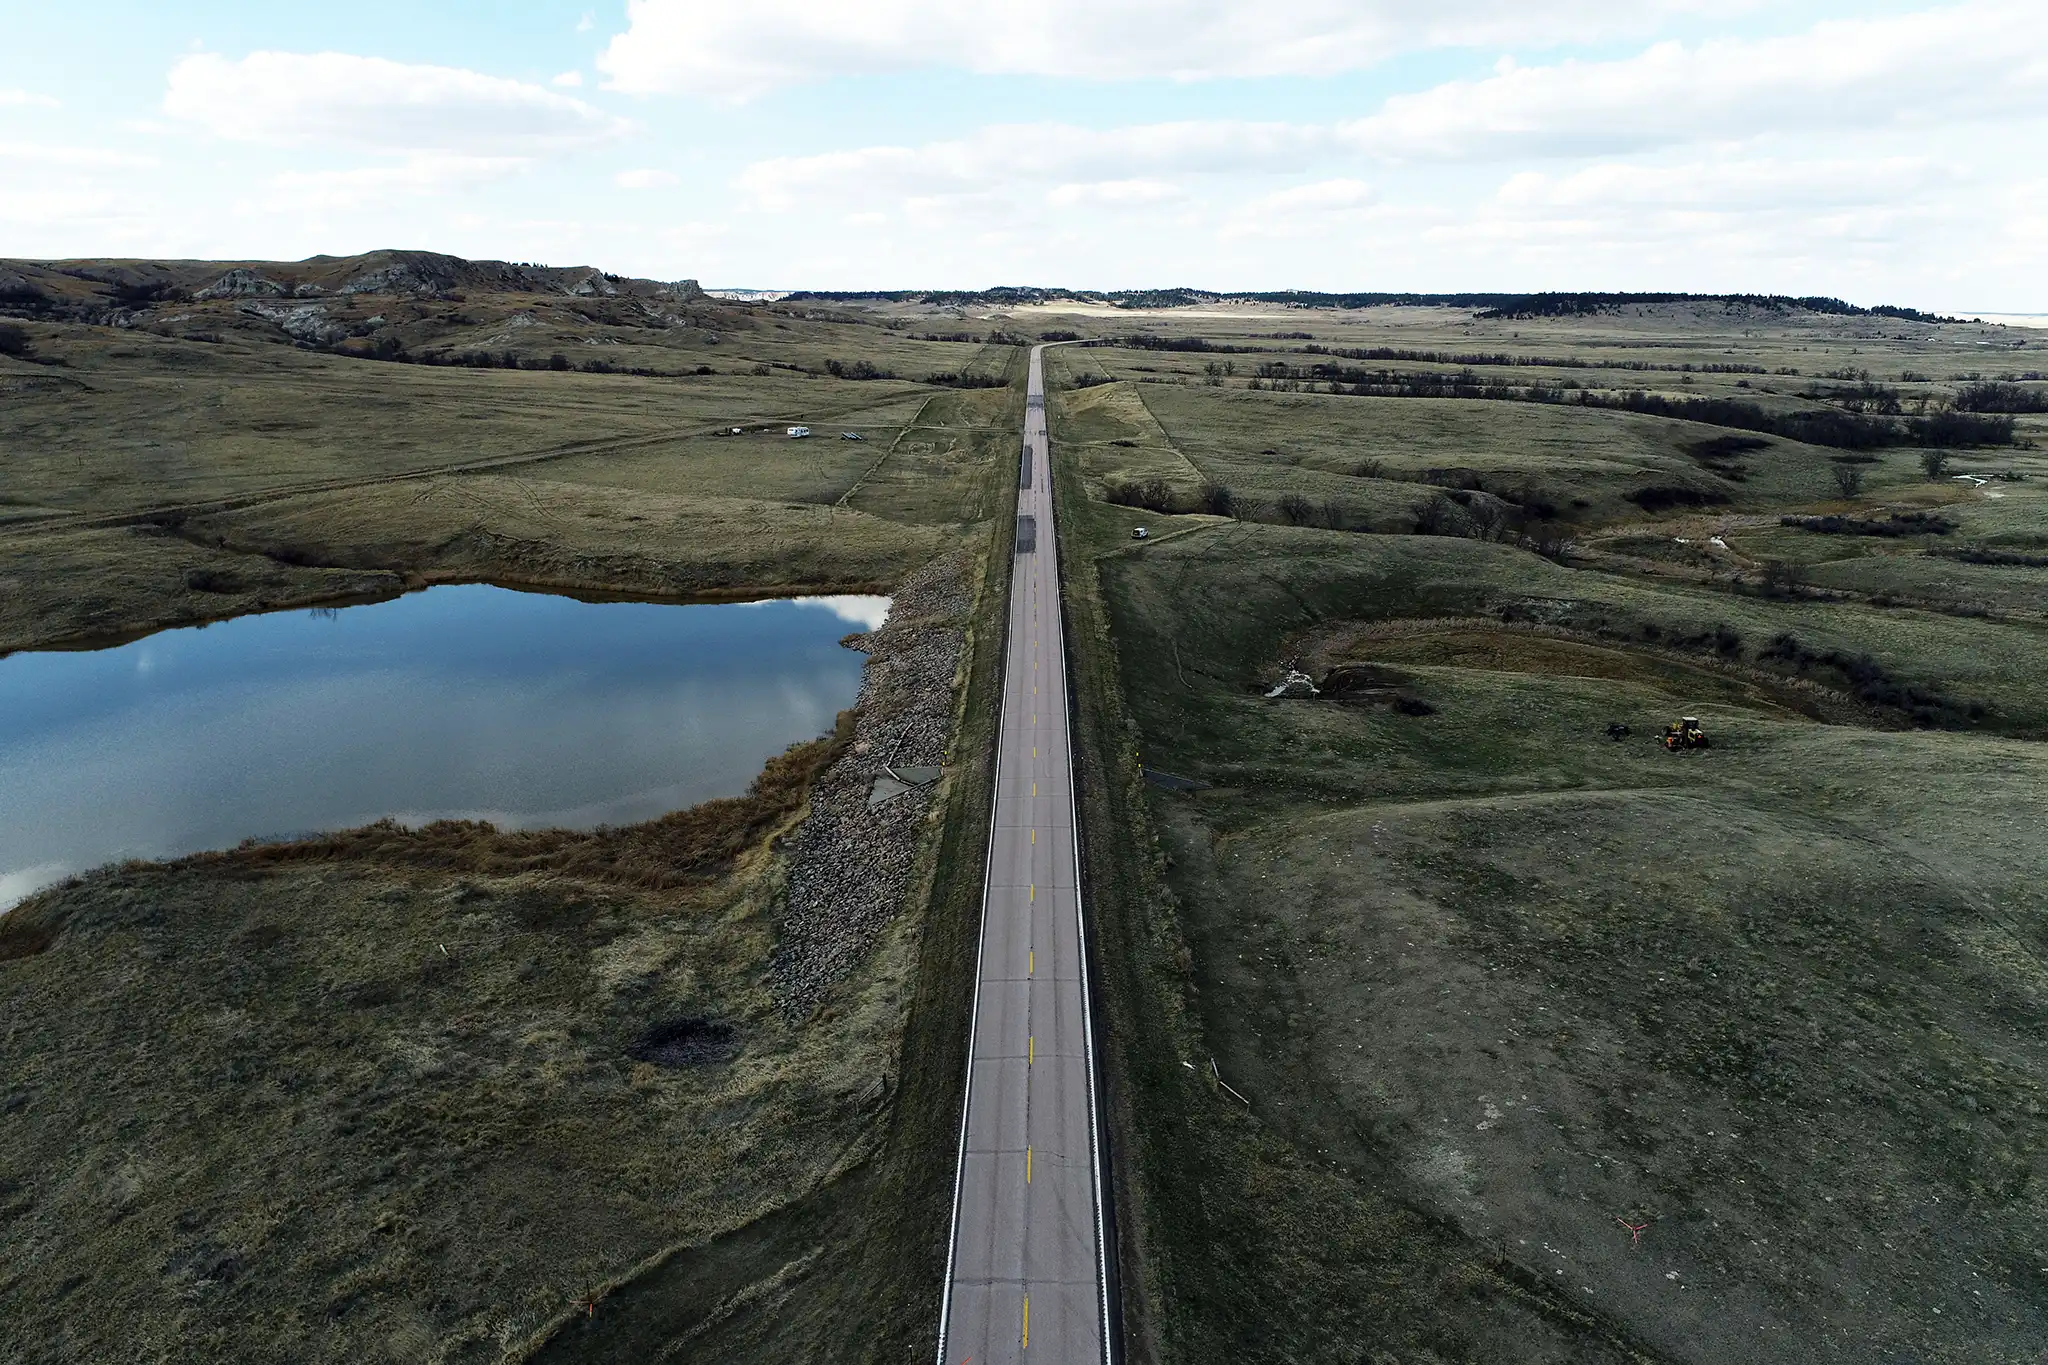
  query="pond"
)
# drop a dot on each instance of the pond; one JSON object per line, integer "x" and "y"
{"x": 522, "y": 708}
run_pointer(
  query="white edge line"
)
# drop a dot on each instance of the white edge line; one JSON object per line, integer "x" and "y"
{"x": 1080, "y": 914}
{"x": 980, "y": 947}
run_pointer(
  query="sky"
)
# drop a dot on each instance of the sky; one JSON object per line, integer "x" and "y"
{"x": 1889, "y": 151}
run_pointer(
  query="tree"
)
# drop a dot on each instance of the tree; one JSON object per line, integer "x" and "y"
{"x": 1434, "y": 517}
{"x": 1849, "y": 478}
{"x": 1935, "y": 462}
{"x": 1295, "y": 509}
{"x": 15, "y": 341}
{"x": 1782, "y": 579}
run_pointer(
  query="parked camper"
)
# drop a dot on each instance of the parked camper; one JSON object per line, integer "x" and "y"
{"x": 798, "y": 433}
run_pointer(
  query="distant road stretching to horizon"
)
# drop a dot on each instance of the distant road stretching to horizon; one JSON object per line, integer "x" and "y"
{"x": 1026, "y": 1274}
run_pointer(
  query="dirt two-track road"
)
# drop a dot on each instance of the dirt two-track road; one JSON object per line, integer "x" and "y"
{"x": 1025, "y": 1278}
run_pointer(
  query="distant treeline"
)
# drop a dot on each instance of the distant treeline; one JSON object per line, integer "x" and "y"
{"x": 1488, "y": 305}
{"x": 389, "y": 348}
{"x": 1841, "y": 430}
{"x": 1545, "y": 362}
{"x": 1835, "y": 428}
{"x": 1582, "y": 305}
{"x": 1145, "y": 341}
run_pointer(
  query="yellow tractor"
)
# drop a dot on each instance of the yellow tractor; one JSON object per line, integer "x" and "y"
{"x": 1686, "y": 734}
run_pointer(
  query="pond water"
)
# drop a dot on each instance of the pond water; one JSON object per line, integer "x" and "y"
{"x": 522, "y": 708}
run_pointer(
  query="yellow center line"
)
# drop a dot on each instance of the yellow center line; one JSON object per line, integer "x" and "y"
{"x": 1027, "y": 1165}
{"x": 1031, "y": 1052}
{"x": 1034, "y": 836}
{"x": 1031, "y": 962}
{"x": 1027, "y": 1321}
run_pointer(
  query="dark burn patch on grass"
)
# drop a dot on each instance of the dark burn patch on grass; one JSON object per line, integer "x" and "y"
{"x": 25, "y": 933}
{"x": 694, "y": 1041}
{"x": 1663, "y": 497}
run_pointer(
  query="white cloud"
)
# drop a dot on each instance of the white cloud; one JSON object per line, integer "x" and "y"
{"x": 1320, "y": 197}
{"x": 1973, "y": 61}
{"x": 399, "y": 182}
{"x": 331, "y": 97}
{"x": 74, "y": 158}
{"x": 25, "y": 99}
{"x": 22, "y": 882}
{"x": 1113, "y": 193}
{"x": 869, "y": 613}
{"x": 1745, "y": 186}
{"x": 1319, "y": 208}
{"x": 734, "y": 51}
{"x": 568, "y": 80}
{"x": 644, "y": 179}
{"x": 1012, "y": 154}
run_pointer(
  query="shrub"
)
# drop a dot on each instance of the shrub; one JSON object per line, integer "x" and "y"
{"x": 1897, "y": 525}
{"x": 15, "y": 341}
{"x": 1849, "y": 479}
{"x": 1973, "y": 554}
{"x": 1934, "y": 463}
{"x": 1295, "y": 509}
{"x": 1870, "y": 682}
{"x": 1962, "y": 429}
{"x": 1154, "y": 495}
{"x": 1996, "y": 396}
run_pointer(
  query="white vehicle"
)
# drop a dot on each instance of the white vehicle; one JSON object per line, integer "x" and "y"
{"x": 798, "y": 433}
{"x": 1140, "y": 533}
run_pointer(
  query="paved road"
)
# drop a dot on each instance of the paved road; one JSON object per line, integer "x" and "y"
{"x": 1025, "y": 1279}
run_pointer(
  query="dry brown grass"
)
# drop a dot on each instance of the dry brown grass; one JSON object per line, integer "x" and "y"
{"x": 680, "y": 848}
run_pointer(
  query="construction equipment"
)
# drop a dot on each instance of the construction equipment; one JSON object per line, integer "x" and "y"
{"x": 1686, "y": 734}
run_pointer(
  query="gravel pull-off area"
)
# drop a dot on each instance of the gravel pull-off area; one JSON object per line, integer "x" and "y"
{"x": 849, "y": 864}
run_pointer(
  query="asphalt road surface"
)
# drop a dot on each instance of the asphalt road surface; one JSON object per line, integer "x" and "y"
{"x": 1025, "y": 1278}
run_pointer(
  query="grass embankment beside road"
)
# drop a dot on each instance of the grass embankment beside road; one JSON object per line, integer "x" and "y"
{"x": 464, "y": 1095}
{"x": 1557, "y": 1046}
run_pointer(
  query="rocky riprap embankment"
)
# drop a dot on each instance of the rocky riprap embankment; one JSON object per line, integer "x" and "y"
{"x": 849, "y": 865}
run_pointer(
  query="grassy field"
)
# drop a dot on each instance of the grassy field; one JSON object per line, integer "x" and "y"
{"x": 1450, "y": 1028}
{"x": 1443, "y": 1027}
{"x": 390, "y": 1099}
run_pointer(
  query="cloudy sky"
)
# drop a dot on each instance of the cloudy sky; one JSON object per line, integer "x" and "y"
{"x": 1883, "y": 151}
